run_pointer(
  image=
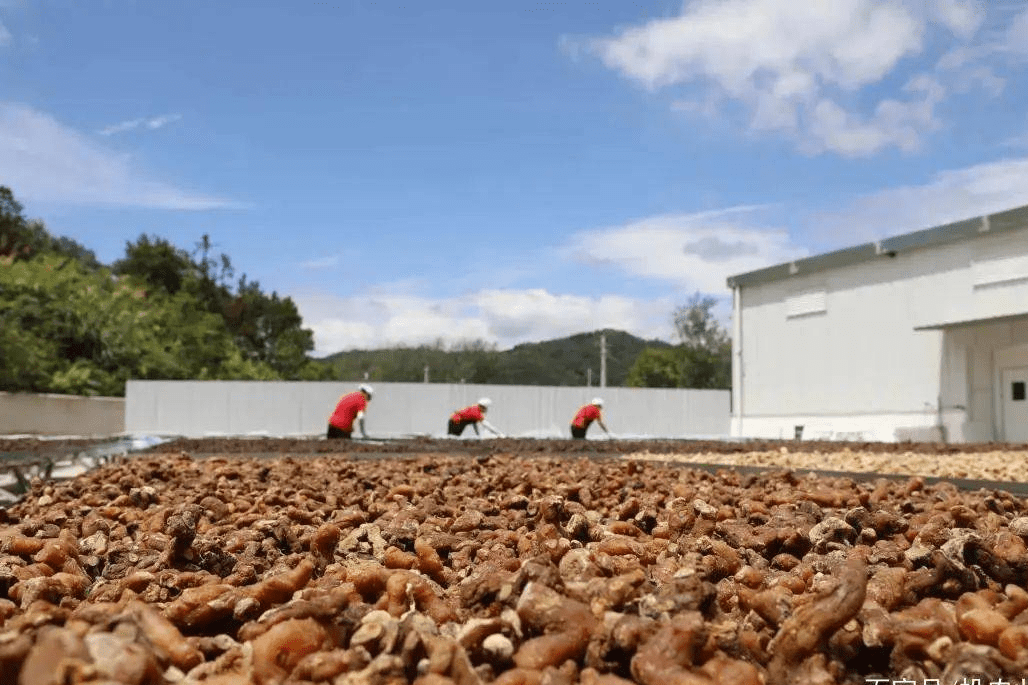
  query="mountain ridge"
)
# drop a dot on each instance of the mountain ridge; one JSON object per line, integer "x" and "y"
{"x": 563, "y": 361}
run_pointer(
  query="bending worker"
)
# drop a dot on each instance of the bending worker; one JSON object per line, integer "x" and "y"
{"x": 473, "y": 415}
{"x": 350, "y": 408}
{"x": 585, "y": 416}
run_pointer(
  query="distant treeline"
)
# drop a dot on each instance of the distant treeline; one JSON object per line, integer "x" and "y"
{"x": 570, "y": 361}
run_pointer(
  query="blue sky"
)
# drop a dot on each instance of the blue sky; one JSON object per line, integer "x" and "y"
{"x": 508, "y": 171}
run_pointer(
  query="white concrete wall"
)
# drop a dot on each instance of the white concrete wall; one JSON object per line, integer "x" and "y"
{"x": 202, "y": 408}
{"x": 47, "y": 414}
{"x": 858, "y": 367}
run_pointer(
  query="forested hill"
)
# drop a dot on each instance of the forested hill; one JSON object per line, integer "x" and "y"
{"x": 565, "y": 361}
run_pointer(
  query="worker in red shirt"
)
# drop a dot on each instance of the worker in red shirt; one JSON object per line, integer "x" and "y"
{"x": 473, "y": 415}
{"x": 585, "y": 416}
{"x": 350, "y": 409}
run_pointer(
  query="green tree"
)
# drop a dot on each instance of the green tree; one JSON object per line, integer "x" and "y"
{"x": 656, "y": 368}
{"x": 269, "y": 328}
{"x": 156, "y": 261}
{"x": 22, "y": 238}
{"x": 15, "y": 234}
{"x": 73, "y": 250}
{"x": 23, "y": 359}
{"x": 706, "y": 347}
{"x": 212, "y": 284}
{"x": 696, "y": 325}
{"x": 70, "y": 325}
{"x": 702, "y": 359}
{"x": 71, "y": 330}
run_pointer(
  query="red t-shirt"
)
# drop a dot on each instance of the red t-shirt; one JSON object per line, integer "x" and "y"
{"x": 586, "y": 415}
{"x": 472, "y": 414}
{"x": 347, "y": 409}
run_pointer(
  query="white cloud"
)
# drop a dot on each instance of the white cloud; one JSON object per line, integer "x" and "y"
{"x": 45, "y": 161}
{"x": 894, "y": 123}
{"x": 1017, "y": 34}
{"x": 961, "y": 17}
{"x": 151, "y": 123}
{"x": 811, "y": 70}
{"x": 699, "y": 251}
{"x": 5, "y": 36}
{"x": 693, "y": 252}
{"x": 537, "y": 314}
{"x": 850, "y": 42}
{"x": 505, "y": 317}
{"x": 950, "y": 196}
{"x": 1017, "y": 141}
{"x": 321, "y": 263}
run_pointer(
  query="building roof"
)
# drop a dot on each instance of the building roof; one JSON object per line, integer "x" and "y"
{"x": 1008, "y": 220}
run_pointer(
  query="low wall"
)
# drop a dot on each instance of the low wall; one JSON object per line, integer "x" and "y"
{"x": 286, "y": 408}
{"x": 32, "y": 414}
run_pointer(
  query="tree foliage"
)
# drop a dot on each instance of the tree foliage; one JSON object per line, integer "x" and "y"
{"x": 70, "y": 330}
{"x": 15, "y": 233}
{"x": 696, "y": 325}
{"x": 656, "y": 368}
{"x": 267, "y": 329}
{"x": 162, "y": 266}
{"x": 70, "y": 325}
{"x": 702, "y": 358}
{"x": 22, "y": 238}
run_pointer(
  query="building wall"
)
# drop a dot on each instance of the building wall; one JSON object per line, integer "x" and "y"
{"x": 980, "y": 351}
{"x": 35, "y": 414}
{"x": 202, "y": 408}
{"x": 870, "y": 350}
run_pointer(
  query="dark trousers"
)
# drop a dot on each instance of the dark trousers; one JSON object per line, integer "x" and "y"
{"x": 456, "y": 427}
{"x": 335, "y": 432}
{"x": 577, "y": 432}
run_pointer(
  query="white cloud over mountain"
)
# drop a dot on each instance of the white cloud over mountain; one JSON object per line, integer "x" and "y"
{"x": 503, "y": 317}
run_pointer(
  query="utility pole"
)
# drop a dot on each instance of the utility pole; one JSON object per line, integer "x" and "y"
{"x": 589, "y": 377}
{"x": 603, "y": 360}
{"x": 426, "y": 373}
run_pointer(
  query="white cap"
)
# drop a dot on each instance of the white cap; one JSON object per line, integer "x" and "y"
{"x": 598, "y": 401}
{"x": 366, "y": 389}
{"x": 484, "y": 402}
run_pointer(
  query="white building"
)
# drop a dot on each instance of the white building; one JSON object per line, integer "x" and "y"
{"x": 918, "y": 337}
